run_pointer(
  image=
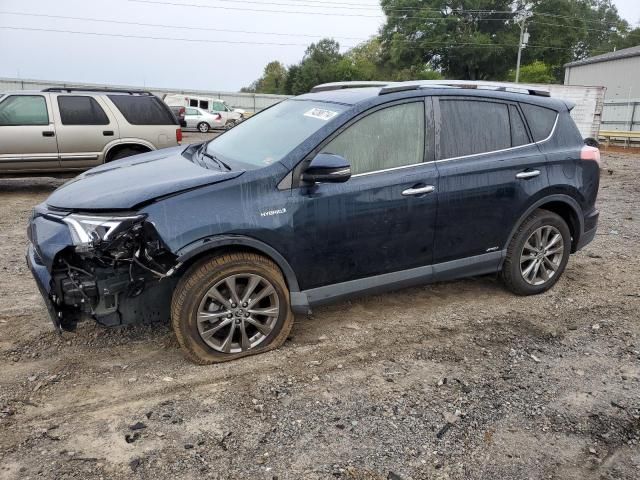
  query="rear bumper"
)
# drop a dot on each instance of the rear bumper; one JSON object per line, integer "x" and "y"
{"x": 590, "y": 229}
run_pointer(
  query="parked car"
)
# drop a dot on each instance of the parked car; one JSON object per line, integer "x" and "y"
{"x": 74, "y": 129}
{"x": 371, "y": 189}
{"x": 179, "y": 113}
{"x": 202, "y": 120}
{"x": 230, "y": 116}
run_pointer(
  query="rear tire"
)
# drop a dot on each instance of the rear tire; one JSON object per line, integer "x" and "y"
{"x": 203, "y": 127}
{"x": 255, "y": 319}
{"x": 537, "y": 254}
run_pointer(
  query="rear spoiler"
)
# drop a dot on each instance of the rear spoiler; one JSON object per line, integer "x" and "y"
{"x": 570, "y": 105}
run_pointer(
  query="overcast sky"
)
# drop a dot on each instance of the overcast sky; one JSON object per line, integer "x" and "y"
{"x": 220, "y": 62}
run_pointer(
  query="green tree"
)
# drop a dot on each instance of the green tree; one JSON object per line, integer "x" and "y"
{"x": 319, "y": 65}
{"x": 632, "y": 39}
{"x": 461, "y": 38}
{"x": 535, "y": 72}
{"x": 274, "y": 78}
{"x": 562, "y": 31}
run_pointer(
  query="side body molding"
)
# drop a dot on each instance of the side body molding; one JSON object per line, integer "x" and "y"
{"x": 209, "y": 243}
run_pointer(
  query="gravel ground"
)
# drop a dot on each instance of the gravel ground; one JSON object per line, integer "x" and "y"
{"x": 456, "y": 380}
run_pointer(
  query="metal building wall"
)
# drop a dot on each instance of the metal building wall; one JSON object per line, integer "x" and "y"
{"x": 620, "y": 77}
{"x": 253, "y": 102}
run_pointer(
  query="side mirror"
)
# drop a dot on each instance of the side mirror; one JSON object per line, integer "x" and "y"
{"x": 327, "y": 168}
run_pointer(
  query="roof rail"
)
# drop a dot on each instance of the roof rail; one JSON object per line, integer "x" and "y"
{"x": 99, "y": 90}
{"x": 325, "y": 87}
{"x": 391, "y": 87}
{"x": 469, "y": 84}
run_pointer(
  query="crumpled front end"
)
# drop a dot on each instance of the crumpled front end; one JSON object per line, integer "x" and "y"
{"x": 113, "y": 268}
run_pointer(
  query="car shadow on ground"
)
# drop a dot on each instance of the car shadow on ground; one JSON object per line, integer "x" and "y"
{"x": 32, "y": 184}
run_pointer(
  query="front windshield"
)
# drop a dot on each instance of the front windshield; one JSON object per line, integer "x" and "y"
{"x": 269, "y": 136}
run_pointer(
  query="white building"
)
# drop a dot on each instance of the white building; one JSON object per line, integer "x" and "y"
{"x": 619, "y": 73}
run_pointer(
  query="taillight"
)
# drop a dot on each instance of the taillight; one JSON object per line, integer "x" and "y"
{"x": 590, "y": 153}
{"x": 178, "y": 135}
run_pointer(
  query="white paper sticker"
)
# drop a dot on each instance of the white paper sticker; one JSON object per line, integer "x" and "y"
{"x": 321, "y": 114}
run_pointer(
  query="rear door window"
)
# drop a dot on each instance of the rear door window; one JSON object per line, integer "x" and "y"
{"x": 470, "y": 127}
{"x": 387, "y": 138}
{"x": 541, "y": 120}
{"x": 24, "y": 110}
{"x": 143, "y": 110}
{"x": 81, "y": 110}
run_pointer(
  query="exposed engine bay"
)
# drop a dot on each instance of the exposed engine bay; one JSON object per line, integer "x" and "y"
{"x": 118, "y": 272}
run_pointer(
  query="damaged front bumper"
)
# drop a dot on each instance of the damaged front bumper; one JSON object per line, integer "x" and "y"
{"x": 116, "y": 279}
{"x": 43, "y": 281}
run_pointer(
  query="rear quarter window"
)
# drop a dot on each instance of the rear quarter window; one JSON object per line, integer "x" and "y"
{"x": 540, "y": 119}
{"x": 143, "y": 110}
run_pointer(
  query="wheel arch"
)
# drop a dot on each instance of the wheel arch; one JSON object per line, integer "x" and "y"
{"x": 561, "y": 204}
{"x": 141, "y": 145}
{"x": 195, "y": 251}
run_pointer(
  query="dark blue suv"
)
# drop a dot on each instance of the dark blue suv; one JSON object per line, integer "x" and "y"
{"x": 339, "y": 192}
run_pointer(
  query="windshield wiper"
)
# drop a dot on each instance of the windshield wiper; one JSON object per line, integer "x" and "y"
{"x": 220, "y": 163}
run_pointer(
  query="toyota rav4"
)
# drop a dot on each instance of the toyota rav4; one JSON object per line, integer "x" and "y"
{"x": 339, "y": 192}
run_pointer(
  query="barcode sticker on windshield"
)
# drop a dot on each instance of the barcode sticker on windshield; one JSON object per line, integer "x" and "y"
{"x": 321, "y": 114}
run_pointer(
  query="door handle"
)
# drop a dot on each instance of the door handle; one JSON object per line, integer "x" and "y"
{"x": 48, "y": 134}
{"x": 108, "y": 133}
{"x": 418, "y": 191}
{"x": 528, "y": 174}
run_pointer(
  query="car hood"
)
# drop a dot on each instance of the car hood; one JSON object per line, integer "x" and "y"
{"x": 126, "y": 184}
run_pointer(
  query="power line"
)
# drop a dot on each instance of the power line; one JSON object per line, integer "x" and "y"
{"x": 333, "y": 14}
{"x": 568, "y": 17}
{"x": 196, "y": 5}
{"x": 356, "y": 6}
{"x": 233, "y": 42}
{"x": 344, "y": 5}
{"x": 208, "y": 29}
{"x": 159, "y": 25}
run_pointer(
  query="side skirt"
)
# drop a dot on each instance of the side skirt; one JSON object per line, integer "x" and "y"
{"x": 301, "y": 302}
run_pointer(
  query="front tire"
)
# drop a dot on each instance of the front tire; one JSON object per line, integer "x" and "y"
{"x": 231, "y": 306}
{"x": 203, "y": 127}
{"x": 537, "y": 254}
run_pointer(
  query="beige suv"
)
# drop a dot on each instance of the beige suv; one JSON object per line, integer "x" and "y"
{"x": 73, "y": 129}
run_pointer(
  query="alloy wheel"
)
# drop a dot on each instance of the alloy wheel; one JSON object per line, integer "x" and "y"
{"x": 238, "y": 313}
{"x": 541, "y": 255}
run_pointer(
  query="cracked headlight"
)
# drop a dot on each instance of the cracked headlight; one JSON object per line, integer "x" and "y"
{"x": 87, "y": 230}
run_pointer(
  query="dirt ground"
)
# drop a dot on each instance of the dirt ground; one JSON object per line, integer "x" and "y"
{"x": 458, "y": 380}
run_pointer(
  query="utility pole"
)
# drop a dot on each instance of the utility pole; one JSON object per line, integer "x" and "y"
{"x": 524, "y": 39}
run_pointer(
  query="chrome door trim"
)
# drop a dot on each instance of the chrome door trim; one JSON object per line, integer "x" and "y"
{"x": 78, "y": 156}
{"x": 555, "y": 124}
